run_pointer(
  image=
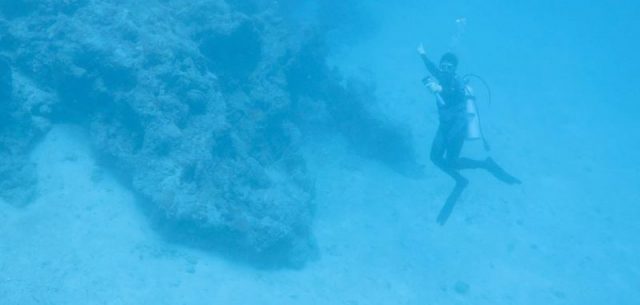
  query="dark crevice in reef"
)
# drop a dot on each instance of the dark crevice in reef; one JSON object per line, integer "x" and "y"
{"x": 233, "y": 56}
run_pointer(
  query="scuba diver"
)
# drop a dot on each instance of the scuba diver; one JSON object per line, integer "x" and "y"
{"x": 456, "y": 124}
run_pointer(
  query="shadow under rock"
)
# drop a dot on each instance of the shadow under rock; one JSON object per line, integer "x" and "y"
{"x": 346, "y": 102}
{"x": 288, "y": 254}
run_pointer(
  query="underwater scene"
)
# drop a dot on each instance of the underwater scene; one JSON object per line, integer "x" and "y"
{"x": 321, "y": 152}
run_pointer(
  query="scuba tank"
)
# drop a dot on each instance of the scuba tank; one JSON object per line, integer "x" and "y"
{"x": 474, "y": 126}
{"x": 474, "y": 131}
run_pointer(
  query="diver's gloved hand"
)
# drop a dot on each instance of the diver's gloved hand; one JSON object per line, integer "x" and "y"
{"x": 421, "y": 50}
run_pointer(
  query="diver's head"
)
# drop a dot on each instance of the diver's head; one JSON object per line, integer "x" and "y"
{"x": 448, "y": 63}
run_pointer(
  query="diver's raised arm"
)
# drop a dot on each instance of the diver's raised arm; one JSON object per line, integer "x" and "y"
{"x": 427, "y": 62}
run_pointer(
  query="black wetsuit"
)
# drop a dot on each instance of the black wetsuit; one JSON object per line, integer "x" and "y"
{"x": 452, "y": 130}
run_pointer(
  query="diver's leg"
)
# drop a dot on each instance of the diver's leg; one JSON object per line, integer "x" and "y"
{"x": 489, "y": 164}
{"x": 454, "y": 145}
{"x": 466, "y": 163}
{"x": 454, "y": 148}
{"x": 453, "y": 152}
{"x": 439, "y": 148}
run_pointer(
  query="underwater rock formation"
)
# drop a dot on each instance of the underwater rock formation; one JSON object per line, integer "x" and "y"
{"x": 197, "y": 105}
{"x": 20, "y": 126}
{"x": 187, "y": 100}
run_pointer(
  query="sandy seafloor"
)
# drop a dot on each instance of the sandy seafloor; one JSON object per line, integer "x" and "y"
{"x": 84, "y": 241}
{"x": 568, "y": 235}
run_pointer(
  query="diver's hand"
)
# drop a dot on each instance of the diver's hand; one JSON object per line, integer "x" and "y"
{"x": 434, "y": 87}
{"x": 421, "y": 50}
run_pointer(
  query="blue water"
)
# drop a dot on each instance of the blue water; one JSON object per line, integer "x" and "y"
{"x": 258, "y": 152}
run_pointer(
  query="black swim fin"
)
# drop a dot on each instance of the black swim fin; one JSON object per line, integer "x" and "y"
{"x": 500, "y": 173}
{"x": 446, "y": 210}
